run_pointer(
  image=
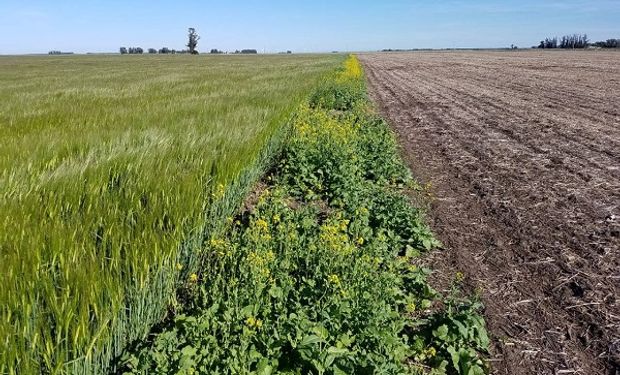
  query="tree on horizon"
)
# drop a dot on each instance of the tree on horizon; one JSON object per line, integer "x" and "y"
{"x": 193, "y": 39}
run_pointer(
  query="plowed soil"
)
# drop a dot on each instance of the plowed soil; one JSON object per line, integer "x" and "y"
{"x": 522, "y": 151}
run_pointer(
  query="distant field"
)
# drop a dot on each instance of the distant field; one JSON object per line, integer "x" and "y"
{"x": 106, "y": 165}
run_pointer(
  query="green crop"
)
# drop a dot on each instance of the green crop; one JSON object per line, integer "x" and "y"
{"x": 112, "y": 169}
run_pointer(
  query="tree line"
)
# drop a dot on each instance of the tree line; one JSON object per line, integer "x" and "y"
{"x": 192, "y": 44}
{"x": 166, "y": 51}
{"x": 152, "y": 51}
{"x": 59, "y": 53}
{"x": 609, "y": 43}
{"x": 576, "y": 41}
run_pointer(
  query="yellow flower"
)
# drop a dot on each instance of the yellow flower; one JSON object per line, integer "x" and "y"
{"x": 179, "y": 266}
{"x": 214, "y": 242}
{"x": 255, "y": 259}
{"x": 262, "y": 224}
{"x": 431, "y": 352}
{"x": 276, "y": 218}
{"x": 193, "y": 278}
{"x": 360, "y": 241}
{"x": 333, "y": 279}
{"x": 252, "y": 322}
{"x": 353, "y": 69}
{"x": 459, "y": 277}
{"x": 219, "y": 191}
{"x": 411, "y": 307}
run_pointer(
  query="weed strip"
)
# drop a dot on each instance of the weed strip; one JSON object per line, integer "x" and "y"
{"x": 317, "y": 274}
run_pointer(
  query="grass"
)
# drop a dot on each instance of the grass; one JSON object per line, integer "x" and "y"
{"x": 111, "y": 170}
{"x": 318, "y": 274}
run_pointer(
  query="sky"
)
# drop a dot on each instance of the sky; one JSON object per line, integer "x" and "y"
{"x": 38, "y": 26}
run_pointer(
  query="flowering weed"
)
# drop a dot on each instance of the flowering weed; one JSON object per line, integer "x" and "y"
{"x": 320, "y": 279}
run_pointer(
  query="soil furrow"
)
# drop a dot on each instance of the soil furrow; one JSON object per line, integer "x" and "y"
{"x": 517, "y": 112}
{"x": 522, "y": 150}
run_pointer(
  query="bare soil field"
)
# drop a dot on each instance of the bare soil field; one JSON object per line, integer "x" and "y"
{"x": 523, "y": 153}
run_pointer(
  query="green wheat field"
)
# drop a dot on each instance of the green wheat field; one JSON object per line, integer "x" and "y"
{"x": 107, "y": 167}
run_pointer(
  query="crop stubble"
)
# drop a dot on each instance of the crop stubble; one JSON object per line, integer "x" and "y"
{"x": 523, "y": 153}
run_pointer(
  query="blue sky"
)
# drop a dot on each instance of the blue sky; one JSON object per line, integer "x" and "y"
{"x": 34, "y": 26}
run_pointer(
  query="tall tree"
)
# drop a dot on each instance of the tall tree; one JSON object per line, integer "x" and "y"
{"x": 193, "y": 39}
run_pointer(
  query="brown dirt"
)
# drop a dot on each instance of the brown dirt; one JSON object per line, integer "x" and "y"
{"x": 523, "y": 153}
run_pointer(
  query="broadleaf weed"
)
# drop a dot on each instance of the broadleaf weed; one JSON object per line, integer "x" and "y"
{"x": 320, "y": 278}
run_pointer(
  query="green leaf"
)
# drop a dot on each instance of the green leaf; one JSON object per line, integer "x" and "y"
{"x": 247, "y": 311}
{"x": 310, "y": 340}
{"x": 329, "y": 359}
{"x": 321, "y": 331}
{"x": 463, "y": 330}
{"x": 428, "y": 244}
{"x": 410, "y": 252}
{"x": 318, "y": 366}
{"x": 264, "y": 367}
{"x": 346, "y": 340}
{"x": 254, "y": 355}
{"x": 276, "y": 292}
{"x": 476, "y": 370}
{"x": 426, "y": 304}
{"x": 441, "y": 332}
{"x": 188, "y": 351}
{"x": 454, "y": 355}
{"x": 187, "y": 357}
{"x": 483, "y": 338}
{"x": 337, "y": 351}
